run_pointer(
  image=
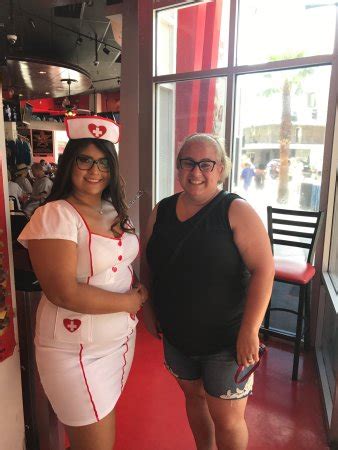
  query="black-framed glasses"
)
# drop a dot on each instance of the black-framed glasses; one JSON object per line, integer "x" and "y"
{"x": 84, "y": 162}
{"x": 205, "y": 165}
{"x": 243, "y": 373}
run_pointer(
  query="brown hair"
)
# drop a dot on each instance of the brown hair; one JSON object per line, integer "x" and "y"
{"x": 113, "y": 193}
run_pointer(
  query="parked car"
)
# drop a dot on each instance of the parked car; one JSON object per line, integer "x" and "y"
{"x": 297, "y": 166}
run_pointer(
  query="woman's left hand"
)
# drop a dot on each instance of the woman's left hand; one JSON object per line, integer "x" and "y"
{"x": 247, "y": 347}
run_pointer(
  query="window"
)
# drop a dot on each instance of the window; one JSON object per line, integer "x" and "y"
{"x": 184, "y": 108}
{"x": 283, "y": 150}
{"x": 272, "y": 30}
{"x": 333, "y": 263}
{"x": 192, "y": 38}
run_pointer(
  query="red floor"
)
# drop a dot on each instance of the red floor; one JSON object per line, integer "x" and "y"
{"x": 281, "y": 415}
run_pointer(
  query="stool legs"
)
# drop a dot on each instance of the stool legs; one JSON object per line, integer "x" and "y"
{"x": 303, "y": 317}
{"x": 307, "y": 339}
{"x": 302, "y": 294}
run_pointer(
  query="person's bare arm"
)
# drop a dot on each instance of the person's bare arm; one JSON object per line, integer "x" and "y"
{"x": 254, "y": 246}
{"x": 54, "y": 262}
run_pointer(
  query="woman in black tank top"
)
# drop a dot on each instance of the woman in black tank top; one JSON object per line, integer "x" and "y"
{"x": 211, "y": 272}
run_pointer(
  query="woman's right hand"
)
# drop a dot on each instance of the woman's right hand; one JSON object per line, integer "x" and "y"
{"x": 136, "y": 297}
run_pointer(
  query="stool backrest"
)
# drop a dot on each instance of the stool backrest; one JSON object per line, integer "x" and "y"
{"x": 18, "y": 222}
{"x": 15, "y": 203}
{"x": 285, "y": 227}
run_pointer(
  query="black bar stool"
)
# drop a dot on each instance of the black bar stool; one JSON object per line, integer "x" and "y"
{"x": 286, "y": 227}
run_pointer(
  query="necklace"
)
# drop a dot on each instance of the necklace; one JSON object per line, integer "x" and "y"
{"x": 100, "y": 210}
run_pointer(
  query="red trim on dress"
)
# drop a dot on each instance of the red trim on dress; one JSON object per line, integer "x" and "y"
{"x": 132, "y": 277}
{"x": 139, "y": 246}
{"x": 125, "y": 359}
{"x": 109, "y": 237}
{"x": 132, "y": 316}
{"x": 89, "y": 240}
{"x": 85, "y": 380}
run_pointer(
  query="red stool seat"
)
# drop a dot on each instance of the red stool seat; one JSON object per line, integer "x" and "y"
{"x": 298, "y": 272}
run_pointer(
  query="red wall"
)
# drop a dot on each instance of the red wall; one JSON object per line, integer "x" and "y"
{"x": 198, "y": 32}
{"x": 54, "y": 105}
{"x": 110, "y": 101}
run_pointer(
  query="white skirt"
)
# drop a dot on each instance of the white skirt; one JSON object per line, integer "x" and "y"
{"x": 83, "y": 374}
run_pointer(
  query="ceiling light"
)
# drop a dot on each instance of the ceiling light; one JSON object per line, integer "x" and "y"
{"x": 47, "y": 93}
{"x": 42, "y": 72}
{"x": 106, "y": 50}
{"x": 20, "y": 95}
{"x": 96, "y": 60}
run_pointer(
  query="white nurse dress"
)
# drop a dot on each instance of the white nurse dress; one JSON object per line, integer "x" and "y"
{"x": 84, "y": 359}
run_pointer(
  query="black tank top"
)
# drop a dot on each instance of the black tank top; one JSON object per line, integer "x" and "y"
{"x": 199, "y": 298}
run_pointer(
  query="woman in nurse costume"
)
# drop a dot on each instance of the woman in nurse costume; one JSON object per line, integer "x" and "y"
{"x": 82, "y": 244}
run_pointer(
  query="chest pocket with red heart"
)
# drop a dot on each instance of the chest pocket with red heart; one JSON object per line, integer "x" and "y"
{"x": 71, "y": 325}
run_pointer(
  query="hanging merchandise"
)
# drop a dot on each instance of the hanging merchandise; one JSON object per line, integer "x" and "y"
{"x": 23, "y": 152}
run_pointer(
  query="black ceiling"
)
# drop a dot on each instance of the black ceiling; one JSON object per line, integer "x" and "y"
{"x": 51, "y": 30}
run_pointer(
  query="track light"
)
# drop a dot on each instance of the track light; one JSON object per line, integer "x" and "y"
{"x": 106, "y": 50}
{"x": 96, "y": 61}
{"x": 118, "y": 58}
{"x": 79, "y": 40}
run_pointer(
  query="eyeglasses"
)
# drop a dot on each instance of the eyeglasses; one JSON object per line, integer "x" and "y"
{"x": 84, "y": 162}
{"x": 245, "y": 373}
{"x": 205, "y": 165}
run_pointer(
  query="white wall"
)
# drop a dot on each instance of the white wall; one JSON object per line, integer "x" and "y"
{"x": 12, "y": 430}
{"x": 12, "y": 433}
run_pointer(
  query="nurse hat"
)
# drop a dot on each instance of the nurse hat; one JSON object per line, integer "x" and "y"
{"x": 92, "y": 127}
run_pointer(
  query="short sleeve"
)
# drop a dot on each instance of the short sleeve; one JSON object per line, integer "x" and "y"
{"x": 20, "y": 191}
{"x": 55, "y": 220}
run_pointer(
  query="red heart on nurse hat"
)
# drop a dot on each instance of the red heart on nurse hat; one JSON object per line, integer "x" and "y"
{"x": 97, "y": 130}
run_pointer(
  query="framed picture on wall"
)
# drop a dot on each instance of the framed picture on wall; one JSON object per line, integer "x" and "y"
{"x": 25, "y": 133}
{"x": 42, "y": 142}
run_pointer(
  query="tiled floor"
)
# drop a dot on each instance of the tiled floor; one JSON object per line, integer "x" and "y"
{"x": 281, "y": 415}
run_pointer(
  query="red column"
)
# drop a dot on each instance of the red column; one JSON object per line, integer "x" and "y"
{"x": 198, "y": 32}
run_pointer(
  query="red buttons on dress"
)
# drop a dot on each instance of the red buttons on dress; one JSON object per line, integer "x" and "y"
{"x": 119, "y": 243}
{"x": 119, "y": 257}
{"x": 114, "y": 269}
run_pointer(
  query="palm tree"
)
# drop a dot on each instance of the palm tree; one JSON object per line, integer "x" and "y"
{"x": 290, "y": 84}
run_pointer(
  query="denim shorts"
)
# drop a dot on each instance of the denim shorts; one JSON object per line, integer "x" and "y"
{"x": 217, "y": 372}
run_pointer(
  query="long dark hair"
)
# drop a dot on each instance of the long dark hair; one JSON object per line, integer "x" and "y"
{"x": 113, "y": 193}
